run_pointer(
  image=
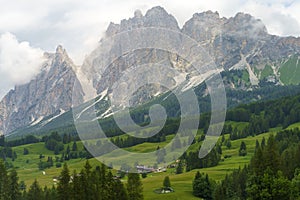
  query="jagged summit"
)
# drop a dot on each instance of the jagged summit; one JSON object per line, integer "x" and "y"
{"x": 245, "y": 24}
{"x": 155, "y": 17}
{"x": 156, "y": 11}
{"x": 206, "y": 14}
{"x": 60, "y": 49}
{"x": 49, "y": 93}
{"x": 138, "y": 14}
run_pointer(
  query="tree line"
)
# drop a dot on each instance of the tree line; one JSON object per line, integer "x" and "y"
{"x": 90, "y": 184}
{"x": 273, "y": 173}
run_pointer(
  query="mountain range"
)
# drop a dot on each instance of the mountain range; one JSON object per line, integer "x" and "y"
{"x": 248, "y": 57}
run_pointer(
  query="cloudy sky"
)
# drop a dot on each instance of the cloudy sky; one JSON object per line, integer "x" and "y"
{"x": 28, "y": 28}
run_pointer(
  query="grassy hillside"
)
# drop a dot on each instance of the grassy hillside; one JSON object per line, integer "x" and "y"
{"x": 27, "y": 165}
{"x": 290, "y": 70}
{"x": 254, "y": 117}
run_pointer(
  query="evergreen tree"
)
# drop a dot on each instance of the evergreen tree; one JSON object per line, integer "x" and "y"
{"x": 50, "y": 193}
{"x": 167, "y": 182}
{"x": 76, "y": 186}
{"x": 201, "y": 186}
{"x": 296, "y": 185}
{"x": 263, "y": 143}
{"x": 4, "y": 187}
{"x": 179, "y": 168}
{"x": 14, "y": 190}
{"x": 63, "y": 187}
{"x": 22, "y": 186}
{"x": 271, "y": 156}
{"x": 228, "y": 143}
{"x": 223, "y": 139}
{"x": 134, "y": 187}
{"x": 243, "y": 149}
{"x": 35, "y": 191}
{"x": 68, "y": 149}
{"x": 74, "y": 146}
{"x": 25, "y": 151}
{"x": 110, "y": 183}
{"x": 88, "y": 176}
{"x": 119, "y": 190}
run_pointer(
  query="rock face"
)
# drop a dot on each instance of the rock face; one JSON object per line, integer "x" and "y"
{"x": 240, "y": 42}
{"x": 49, "y": 93}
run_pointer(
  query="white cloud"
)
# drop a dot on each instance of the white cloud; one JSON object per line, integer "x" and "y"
{"x": 279, "y": 17}
{"x": 19, "y": 62}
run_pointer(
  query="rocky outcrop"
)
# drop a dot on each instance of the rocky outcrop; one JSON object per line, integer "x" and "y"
{"x": 49, "y": 93}
{"x": 239, "y": 42}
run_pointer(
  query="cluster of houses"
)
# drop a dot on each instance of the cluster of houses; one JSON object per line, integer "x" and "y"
{"x": 146, "y": 169}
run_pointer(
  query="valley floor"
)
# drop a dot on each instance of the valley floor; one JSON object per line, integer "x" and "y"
{"x": 27, "y": 167}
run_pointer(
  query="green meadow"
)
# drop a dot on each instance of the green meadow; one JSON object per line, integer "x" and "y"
{"x": 27, "y": 165}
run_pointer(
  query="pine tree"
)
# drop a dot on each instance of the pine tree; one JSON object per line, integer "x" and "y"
{"x": 134, "y": 187}
{"x": 202, "y": 187}
{"x": 25, "y": 151}
{"x": 76, "y": 187}
{"x": 119, "y": 190}
{"x": 46, "y": 193}
{"x": 179, "y": 168}
{"x": 271, "y": 155}
{"x": 35, "y": 191}
{"x": 243, "y": 149}
{"x": 4, "y": 187}
{"x": 167, "y": 182}
{"x": 110, "y": 186}
{"x": 296, "y": 184}
{"x": 83, "y": 183}
{"x": 68, "y": 149}
{"x": 223, "y": 139}
{"x": 256, "y": 162}
{"x": 63, "y": 187}
{"x": 228, "y": 143}
{"x": 74, "y": 146}
{"x": 53, "y": 193}
{"x": 14, "y": 190}
{"x": 88, "y": 187}
{"x": 22, "y": 186}
{"x": 263, "y": 143}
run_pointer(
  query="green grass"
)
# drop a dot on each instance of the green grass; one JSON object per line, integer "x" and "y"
{"x": 296, "y": 125}
{"x": 246, "y": 76}
{"x": 239, "y": 125}
{"x": 290, "y": 70}
{"x": 27, "y": 165}
{"x": 267, "y": 71}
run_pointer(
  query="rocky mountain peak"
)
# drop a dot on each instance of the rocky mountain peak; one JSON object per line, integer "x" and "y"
{"x": 158, "y": 17}
{"x": 206, "y": 15}
{"x": 62, "y": 54}
{"x": 245, "y": 24}
{"x": 112, "y": 29}
{"x": 156, "y": 11}
{"x": 49, "y": 93}
{"x": 204, "y": 26}
{"x": 138, "y": 14}
{"x": 155, "y": 17}
{"x": 60, "y": 49}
